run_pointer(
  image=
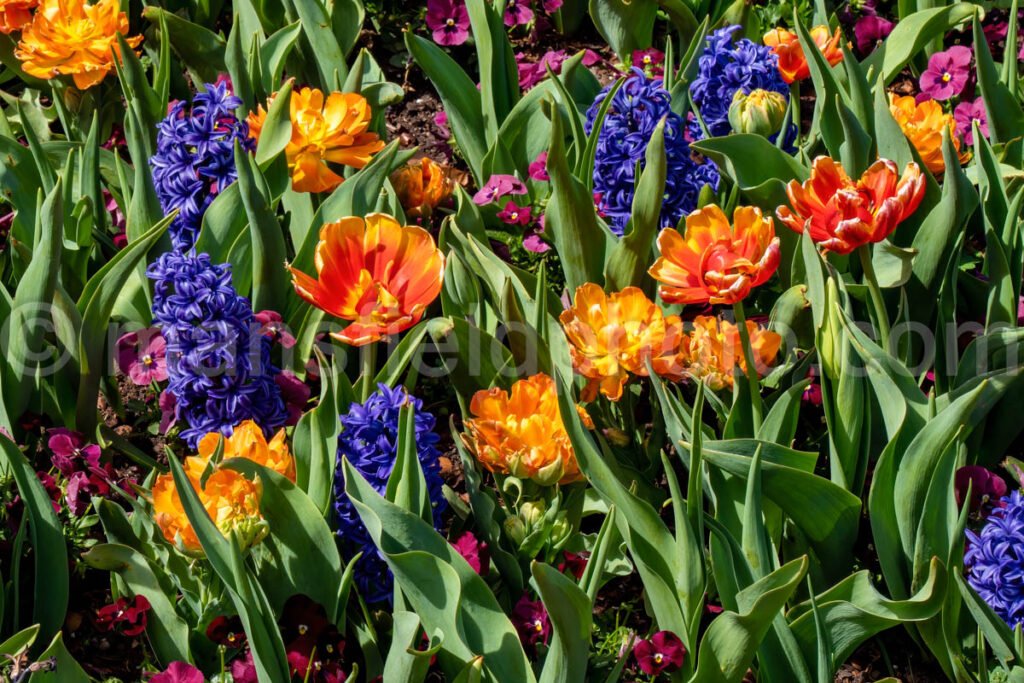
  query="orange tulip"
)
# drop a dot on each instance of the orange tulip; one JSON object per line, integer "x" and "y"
{"x": 613, "y": 336}
{"x": 714, "y": 262}
{"x": 840, "y": 214}
{"x": 716, "y": 349}
{"x": 231, "y": 500}
{"x": 70, "y": 37}
{"x": 521, "y": 433}
{"x": 421, "y": 185}
{"x": 377, "y": 274}
{"x": 792, "y": 62}
{"x": 247, "y": 441}
{"x": 922, "y": 123}
{"x": 335, "y": 130}
{"x": 16, "y": 14}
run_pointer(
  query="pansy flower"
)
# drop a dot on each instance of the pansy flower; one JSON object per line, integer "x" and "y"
{"x": 947, "y": 72}
{"x": 448, "y": 20}
{"x": 142, "y": 356}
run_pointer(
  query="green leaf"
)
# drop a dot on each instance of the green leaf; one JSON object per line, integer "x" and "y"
{"x": 50, "y": 597}
{"x": 65, "y": 669}
{"x": 571, "y": 221}
{"x": 199, "y": 48}
{"x": 1004, "y": 114}
{"x": 629, "y": 258}
{"x": 275, "y": 50}
{"x": 911, "y": 35}
{"x": 499, "y": 79}
{"x": 570, "y": 612}
{"x": 166, "y": 630}
{"x": 96, "y": 304}
{"x": 315, "y": 442}
{"x": 764, "y": 182}
{"x": 277, "y": 129}
{"x": 300, "y": 553}
{"x": 626, "y": 25}
{"x": 269, "y": 277}
{"x": 317, "y": 27}
{"x": 853, "y": 611}
{"x": 446, "y": 593}
{"x": 407, "y": 487}
{"x": 460, "y": 98}
{"x": 728, "y": 646}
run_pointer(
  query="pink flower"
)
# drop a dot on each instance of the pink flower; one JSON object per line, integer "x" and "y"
{"x": 531, "y": 621}
{"x": 650, "y": 60}
{"x": 870, "y": 31}
{"x": 574, "y": 563}
{"x": 947, "y": 72}
{"x": 986, "y": 488}
{"x": 660, "y": 653}
{"x": 551, "y": 6}
{"x": 274, "y": 327}
{"x": 517, "y": 13}
{"x": 812, "y": 394}
{"x": 539, "y": 167}
{"x": 142, "y": 356}
{"x": 295, "y": 393}
{"x": 243, "y": 670}
{"x": 513, "y": 214}
{"x": 496, "y": 187}
{"x": 69, "y": 451}
{"x": 441, "y": 121}
{"x": 449, "y": 21}
{"x": 474, "y": 551}
{"x": 168, "y": 403}
{"x": 965, "y": 114}
{"x": 532, "y": 73}
{"x": 532, "y": 240}
{"x": 52, "y": 490}
{"x": 179, "y": 672}
{"x": 127, "y": 616}
{"x": 590, "y": 58}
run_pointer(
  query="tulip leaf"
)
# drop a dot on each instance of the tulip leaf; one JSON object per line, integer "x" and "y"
{"x": 893, "y": 265}
{"x": 50, "y": 599}
{"x": 315, "y": 442}
{"x": 499, "y": 79}
{"x": 404, "y": 661}
{"x": 997, "y": 634}
{"x": 200, "y": 49}
{"x": 277, "y": 128}
{"x": 275, "y": 50}
{"x": 96, "y": 304}
{"x": 65, "y": 668}
{"x": 446, "y": 593}
{"x": 474, "y": 359}
{"x": 853, "y": 611}
{"x": 729, "y": 644}
{"x": 625, "y": 25}
{"x": 461, "y": 100}
{"x": 1004, "y": 114}
{"x": 764, "y": 182}
{"x": 269, "y": 278}
{"x": 570, "y": 611}
{"x": 325, "y": 51}
{"x": 911, "y": 34}
{"x": 407, "y": 488}
{"x": 20, "y": 641}
{"x": 166, "y": 630}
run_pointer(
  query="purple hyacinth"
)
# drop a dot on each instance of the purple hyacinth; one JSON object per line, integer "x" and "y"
{"x": 218, "y": 362}
{"x": 724, "y": 67}
{"x": 994, "y": 559}
{"x": 195, "y": 158}
{"x": 369, "y": 441}
{"x": 635, "y": 111}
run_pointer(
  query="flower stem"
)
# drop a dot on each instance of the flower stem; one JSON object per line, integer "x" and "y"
{"x": 748, "y": 356}
{"x": 367, "y": 369}
{"x": 877, "y": 302}
{"x": 794, "y": 105}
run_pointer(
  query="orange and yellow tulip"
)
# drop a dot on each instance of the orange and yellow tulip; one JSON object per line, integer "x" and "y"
{"x": 716, "y": 348}
{"x": 841, "y": 214}
{"x": 335, "y": 129}
{"x": 922, "y": 123}
{"x": 792, "y": 61}
{"x": 714, "y": 262}
{"x": 520, "y": 433}
{"x": 16, "y": 14}
{"x": 613, "y": 336}
{"x": 375, "y": 273}
{"x": 421, "y": 185}
{"x": 231, "y": 500}
{"x": 247, "y": 441}
{"x": 73, "y": 38}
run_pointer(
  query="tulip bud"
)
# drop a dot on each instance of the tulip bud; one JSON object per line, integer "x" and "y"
{"x": 532, "y": 513}
{"x": 762, "y": 112}
{"x": 515, "y": 529}
{"x": 560, "y": 530}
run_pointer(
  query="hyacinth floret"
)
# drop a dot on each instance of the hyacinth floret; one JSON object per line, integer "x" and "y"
{"x": 635, "y": 111}
{"x": 994, "y": 559}
{"x": 195, "y": 157}
{"x": 369, "y": 441}
{"x": 218, "y": 363}
{"x": 726, "y": 66}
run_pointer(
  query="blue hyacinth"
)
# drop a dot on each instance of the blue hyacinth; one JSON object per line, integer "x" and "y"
{"x": 218, "y": 362}
{"x": 369, "y": 441}
{"x": 635, "y": 111}
{"x": 995, "y": 560}
{"x": 725, "y": 67}
{"x": 195, "y": 158}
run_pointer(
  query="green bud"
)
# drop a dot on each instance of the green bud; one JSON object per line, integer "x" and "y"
{"x": 515, "y": 529}
{"x": 532, "y": 513}
{"x": 762, "y": 112}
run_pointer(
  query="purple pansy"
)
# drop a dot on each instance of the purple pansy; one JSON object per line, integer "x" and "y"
{"x": 496, "y": 187}
{"x": 448, "y": 20}
{"x": 518, "y": 13}
{"x": 538, "y": 169}
{"x": 513, "y": 214}
{"x": 662, "y": 652}
{"x": 947, "y": 72}
{"x": 870, "y": 31}
{"x": 965, "y": 114}
{"x": 142, "y": 356}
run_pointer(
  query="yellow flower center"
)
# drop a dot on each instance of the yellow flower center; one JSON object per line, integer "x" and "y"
{"x": 647, "y": 59}
{"x": 538, "y": 625}
{"x": 450, "y": 22}
{"x": 947, "y": 77}
{"x": 514, "y": 215}
{"x": 302, "y": 629}
{"x": 658, "y": 658}
{"x": 147, "y": 359}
